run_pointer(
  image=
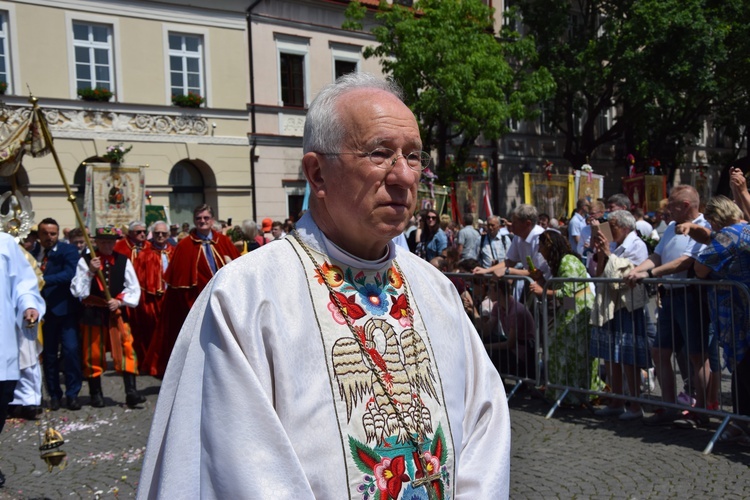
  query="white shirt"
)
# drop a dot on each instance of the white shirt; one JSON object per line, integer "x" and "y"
{"x": 672, "y": 246}
{"x": 521, "y": 248}
{"x": 632, "y": 248}
{"x": 81, "y": 285}
{"x": 576, "y": 224}
{"x": 253, "y": 383}
{"x": 493, "y": 249}
{"x": 19, "y": 290}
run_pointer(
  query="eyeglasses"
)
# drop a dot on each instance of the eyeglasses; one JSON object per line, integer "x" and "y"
{"x": 139, "y": 231}
{"x": 432, "y": 217}
{"x": 160, "y": 233}
{"x": 207, "y": 217}
{"x": 387, "y": 158}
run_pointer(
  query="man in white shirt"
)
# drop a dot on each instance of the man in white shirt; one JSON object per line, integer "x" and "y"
{"x": 494, "y": 245}
{"x": 680, "y": 318}
{"x": 578, "y": 221}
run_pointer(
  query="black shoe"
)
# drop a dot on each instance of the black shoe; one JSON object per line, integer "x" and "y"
{"x": 2, "y": 479}
{"x": 14, "y": 411}
{"x": 134, "y": 399}
{"x": 29, "y": 412}
{"x": 54, "y": 404}
{"x": 74, "y": 404}
{"x": 97, "y": 400}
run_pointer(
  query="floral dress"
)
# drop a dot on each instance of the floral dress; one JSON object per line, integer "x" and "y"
{"x": 569, "y": 362}
{"x": 728, "y": 257}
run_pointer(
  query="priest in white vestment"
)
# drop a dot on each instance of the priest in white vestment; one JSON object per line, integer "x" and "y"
{"x": 21, "y": 307}
{"x": 334, "y": 364}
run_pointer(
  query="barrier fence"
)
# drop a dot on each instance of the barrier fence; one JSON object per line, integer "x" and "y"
{"x": 658, "y": 345}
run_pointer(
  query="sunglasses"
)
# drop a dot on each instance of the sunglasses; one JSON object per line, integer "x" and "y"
{"x": 432, "y": 217}
{"x": 140, "y": 231}
{"x": 160, "y": 233}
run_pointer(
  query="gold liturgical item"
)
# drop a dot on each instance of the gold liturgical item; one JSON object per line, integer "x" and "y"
{"x": 52, "y": 456}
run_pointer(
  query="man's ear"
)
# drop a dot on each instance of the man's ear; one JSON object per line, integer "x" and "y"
{"x": 313, "y": 170}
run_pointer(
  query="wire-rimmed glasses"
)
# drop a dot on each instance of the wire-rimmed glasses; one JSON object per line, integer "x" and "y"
{"x": 386, "y": 158}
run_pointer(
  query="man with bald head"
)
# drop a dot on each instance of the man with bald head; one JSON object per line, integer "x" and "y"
{"x": 356, "y": 351}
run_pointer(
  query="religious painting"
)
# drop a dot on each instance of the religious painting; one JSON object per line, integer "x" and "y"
{"x": 550, "y": 194}
{"x": 702, "y": 177}
{"x": 432, "y": 198}
{"x": 656, "y": 190}
{"x": 635, "y": 188}
{"x": 589, "y": 186}
{"x": 156, "y": 213}
{"x": 468, "y": 199}
{"x": 114, "y": 195}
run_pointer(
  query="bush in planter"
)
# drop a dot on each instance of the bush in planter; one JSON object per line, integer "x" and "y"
{"x": 95, "y": 94}
{"x": 189, "y": 100}
{"x": 3, "y": 87}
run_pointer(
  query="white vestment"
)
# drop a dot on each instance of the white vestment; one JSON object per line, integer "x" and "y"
{"x": 266, "y": 394}
{"x": 18, "y": 291}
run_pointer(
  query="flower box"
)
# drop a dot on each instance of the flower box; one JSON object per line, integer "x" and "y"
{"x": 189, "y": 100}
{"x": 96, "y": 94}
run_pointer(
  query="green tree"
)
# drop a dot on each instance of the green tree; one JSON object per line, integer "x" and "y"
{"x": 460, "y": 80}
{"x": 653, "y": 61}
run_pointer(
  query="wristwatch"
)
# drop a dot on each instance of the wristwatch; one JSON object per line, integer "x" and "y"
{"x": 507, "y": 271}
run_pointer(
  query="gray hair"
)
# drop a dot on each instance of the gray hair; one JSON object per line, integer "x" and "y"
{"x": 157, "y": 223}
{"x": 623, "y": 219}
{"x": 135, "y": 224}
{"x": 324, "y": 132}
{"x": 619, "y": 199}
{"x": 526, "y": 212}
{"x": 249, "y": 228}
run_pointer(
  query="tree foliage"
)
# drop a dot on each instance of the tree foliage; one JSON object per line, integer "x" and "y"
{"x": 654, "y": 61}
{"x": 460, "y": 80}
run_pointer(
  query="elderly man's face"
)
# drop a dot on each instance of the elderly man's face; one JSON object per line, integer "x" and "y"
{"x": 521, "y": 227}
{"x": 493, "y": 226}
{"x": 137, "y": 234}
{"x": 367, "y": 205}
{"x": 161, "y": 233}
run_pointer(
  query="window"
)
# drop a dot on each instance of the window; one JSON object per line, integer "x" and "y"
{"x": 4, "y": 53}
{"x": 92, "y": 44}
{"x": 292, "y": 79}
{"x": 187, "y": 192}
{"x": 293, "y": 60}
{"x": 186, "y": 64}
{"x": 344, "y": 67}
{"x": 295, "y": 197}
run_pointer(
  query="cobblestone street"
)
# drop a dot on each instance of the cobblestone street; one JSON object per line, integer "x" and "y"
{"x": 572, "y": 455}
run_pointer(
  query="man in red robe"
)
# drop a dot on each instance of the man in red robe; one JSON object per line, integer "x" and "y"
{"x": 150, "y": 267}
{"x": 135, "y": 243}
{"x": 194, "y": 262}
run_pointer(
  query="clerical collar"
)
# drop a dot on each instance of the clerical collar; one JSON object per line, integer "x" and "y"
{"x": 314, "y": 237}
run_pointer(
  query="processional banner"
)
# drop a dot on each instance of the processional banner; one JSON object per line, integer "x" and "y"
{"x": 553, "y": 195}
{"x": 645, "y": 191}
{"x": 471, "y": 197}
{"x": 114, "y": 194}
{"x": 589, "y": 186}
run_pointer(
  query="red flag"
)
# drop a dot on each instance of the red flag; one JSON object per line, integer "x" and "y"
{"x": 454, "y": 204}
{"x": 486, "y": 202}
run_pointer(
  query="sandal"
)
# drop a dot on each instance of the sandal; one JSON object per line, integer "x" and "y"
{"x": 733, "y": 433}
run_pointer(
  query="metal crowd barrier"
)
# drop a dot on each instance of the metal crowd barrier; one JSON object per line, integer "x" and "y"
{"x": 570, "y": 371}
{"x": 506, "y": 316}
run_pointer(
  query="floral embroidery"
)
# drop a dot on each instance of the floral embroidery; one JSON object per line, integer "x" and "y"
{"x": 337, "y": 316}
{"x": 390, "y": 474}
{"x": 433, "y": 463}
{"x": 394, "y": 278}
{"x": 400, "y": 310}
{"x": 374, "y": 299}
{"x": 351, "y": 308}
{"x": 333, "y": 274}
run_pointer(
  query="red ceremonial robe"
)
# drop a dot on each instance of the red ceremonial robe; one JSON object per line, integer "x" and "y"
{"x": 127, "y": 248}
{"x": 187, "y": 275}
{"x": 150, "y": 272}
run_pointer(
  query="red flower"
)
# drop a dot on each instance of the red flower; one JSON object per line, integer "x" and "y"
{"x": 400, "y": 308}
{"x": 390, "y": 474}
{"x": 351, "y": 309}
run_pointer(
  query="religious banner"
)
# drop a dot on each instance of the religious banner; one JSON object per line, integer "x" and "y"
{"x": 645, "y": 191}
{"x": 470, "y": 199}
{"x": 156, "y": 213}
{"x": 114, "y": 194}
{"x": 432, "y": 199}
{"x": 588, "y": 185}
{"x": 552, "y": 194}
{"x": 702, "y": 178}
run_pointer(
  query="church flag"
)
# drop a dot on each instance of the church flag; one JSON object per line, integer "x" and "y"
{"x": 114, "y": 194}
{"x": 27, "y": 137}
{"x": 486, "y": 203}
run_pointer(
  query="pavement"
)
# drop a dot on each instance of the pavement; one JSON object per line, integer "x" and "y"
{"x": 571, "y": 455}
